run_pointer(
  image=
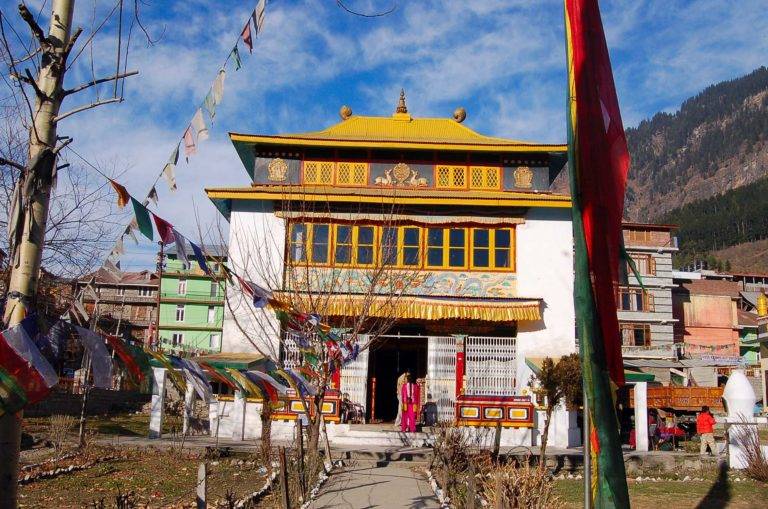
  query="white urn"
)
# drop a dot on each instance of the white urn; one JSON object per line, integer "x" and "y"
{"x": 739, "y": 396}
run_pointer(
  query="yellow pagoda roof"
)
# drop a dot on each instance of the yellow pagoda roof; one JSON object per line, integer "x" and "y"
{"x": 399, "y": 131}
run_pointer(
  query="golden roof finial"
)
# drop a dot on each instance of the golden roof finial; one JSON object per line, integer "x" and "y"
{"x": 401, "y": 108}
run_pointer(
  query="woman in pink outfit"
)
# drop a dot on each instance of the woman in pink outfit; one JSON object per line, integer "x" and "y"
{"x": 411, "y": 398}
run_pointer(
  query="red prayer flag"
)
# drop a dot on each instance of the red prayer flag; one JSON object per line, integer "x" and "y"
{"x": 164, "y": 229}
{"x": 21, "y": 360}
{"x": 117, "y": 345}
{"x": 601, "y": 165}
{"x": 246, "y": 36}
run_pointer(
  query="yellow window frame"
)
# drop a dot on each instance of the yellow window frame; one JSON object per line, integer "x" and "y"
{"x": 400, "y": 247}
{"x": 311, "y": 244}
{"x": 491, "y": 248}
{"x": 450, "y": 176}
{"x": 319, "y": 172}
{"x": 352, "y": 173}
{"x": 446, "y": 247}
{"x": 485, "y": 177}
{"x": 293, "y": 245}
{"x": 354, "y": 244}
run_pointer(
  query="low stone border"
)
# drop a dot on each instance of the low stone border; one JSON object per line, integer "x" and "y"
{"x": 321, "y": 480}
{"x": 27, "y": 468}
{"x": 256, "y": 495}
{"x": 445, "y": 502}
{"x": 48, "y": 474}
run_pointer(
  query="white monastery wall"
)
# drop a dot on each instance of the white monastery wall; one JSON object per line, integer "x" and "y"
{"x": 545, "y": 270}
{"x": 256, "y": 252}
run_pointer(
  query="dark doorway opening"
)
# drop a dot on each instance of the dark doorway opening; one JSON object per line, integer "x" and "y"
{"x": 388, "y": 359}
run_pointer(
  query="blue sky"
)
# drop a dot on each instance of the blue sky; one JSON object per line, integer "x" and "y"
{"x": 501, "y": 60}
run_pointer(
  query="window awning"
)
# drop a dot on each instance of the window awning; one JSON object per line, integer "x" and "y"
{"x": 399, "y": 219}
{"x": 421, "y": 308}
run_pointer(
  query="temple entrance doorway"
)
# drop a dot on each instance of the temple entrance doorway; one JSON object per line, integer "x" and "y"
{"x": 389, "y": 357}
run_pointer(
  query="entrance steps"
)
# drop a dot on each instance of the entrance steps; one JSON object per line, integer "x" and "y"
{"x": 377, "y": 457}
{"x": 376, "y": 435}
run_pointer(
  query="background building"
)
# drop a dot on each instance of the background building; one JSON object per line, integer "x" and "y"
{"x": 124, "y": 302}
{"x": 191, "y": 304}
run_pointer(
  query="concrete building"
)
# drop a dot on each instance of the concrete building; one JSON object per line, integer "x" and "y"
{"x": 125, "y": 302}
{"x": 192, "y": 304}
{"x": 463, "y": 228}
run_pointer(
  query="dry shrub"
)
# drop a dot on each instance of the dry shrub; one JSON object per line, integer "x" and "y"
{"x": 757, "y": 463}
{"x": 58, "y": 429}
{"x": 456, "y": 457}
{"x": 520, "y": 486}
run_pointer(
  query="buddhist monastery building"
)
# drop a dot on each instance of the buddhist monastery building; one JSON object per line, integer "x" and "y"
{"x": 454, "y": 236}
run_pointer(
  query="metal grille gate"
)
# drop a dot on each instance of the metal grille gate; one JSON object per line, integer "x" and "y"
{"x": 441, "y": 375}
{"x": 490, "y": 366}
{"x": 354, "y": 378}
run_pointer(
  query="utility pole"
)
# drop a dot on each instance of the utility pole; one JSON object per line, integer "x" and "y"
{"x": 160, "y": 263}
{"x": 25, "y": 268}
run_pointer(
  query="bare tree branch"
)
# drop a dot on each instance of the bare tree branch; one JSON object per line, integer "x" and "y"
{"x": 87, "y": 107}
{"x": 98, "y": 81}
{"x": 6, "y": 162}
{"x": 42, "y": 95}
{"x": 33, "y": 26}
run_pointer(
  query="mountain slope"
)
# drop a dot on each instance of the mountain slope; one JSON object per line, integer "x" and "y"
{"x": 717, "y": 141}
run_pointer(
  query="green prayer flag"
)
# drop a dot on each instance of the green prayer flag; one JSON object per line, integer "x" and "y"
{"x": 142, "y": 218}
{"x": 235, "y": 54}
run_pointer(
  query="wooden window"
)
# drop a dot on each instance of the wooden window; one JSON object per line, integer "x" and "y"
{"x": 388, "y": 253}
{"x": 411, "y": 242}
{"x": 177, "y": 338}
{"x": 320, "y": 240}
{"x": 180, "y": 312}
{"x": 635, "y": 334}
{"x": 318, "y": 172}
{"x": 493, "y": 248}
{"x": 457, "y": 247}
{"x": 211, "y": 314}
{"x": 343, "y": 251}
{"x": 451, "y": 177}
{"x": 214, "y": 340}
{"x": 446, "y": 248}
{"x": 364, "y": 240}
{"x": 352, "y": 174}
{"x": 645, "y": 264}
{"x": 484, "y": 177}
{"x": 182, "y": 288}
{"x": 633, "y": 299}
{"x": 298, "y": 243}
{"x": 435, "y": 247}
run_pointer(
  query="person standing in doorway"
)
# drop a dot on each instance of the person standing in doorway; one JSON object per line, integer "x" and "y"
{"x": 411, "y": 398}
{"x": 401, "y": 381}
{"x": 705, "y": 427}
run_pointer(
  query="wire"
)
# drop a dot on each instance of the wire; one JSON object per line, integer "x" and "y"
{"x": 363, "y": 15}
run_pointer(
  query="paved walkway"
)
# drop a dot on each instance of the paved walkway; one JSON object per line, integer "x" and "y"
{"x": 366, "y": 487}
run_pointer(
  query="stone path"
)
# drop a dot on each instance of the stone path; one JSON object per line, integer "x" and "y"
{"x": 368, "y": 485}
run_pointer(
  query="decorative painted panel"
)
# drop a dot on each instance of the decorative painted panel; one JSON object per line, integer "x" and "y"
{"x": 401, "y": 175}
{"x": 420, "y": 283}
{"x": 276, "y": 170}
{"x": 526, "y": 178}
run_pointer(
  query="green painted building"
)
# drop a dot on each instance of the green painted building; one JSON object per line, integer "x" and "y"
{"x": 191, "y": 304}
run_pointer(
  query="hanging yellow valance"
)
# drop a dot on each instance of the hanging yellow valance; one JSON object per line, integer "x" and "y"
{"x": 422, "y": 308}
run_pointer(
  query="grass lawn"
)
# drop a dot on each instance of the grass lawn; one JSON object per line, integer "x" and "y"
{"x": 678, "y": 495}
{"x": 156, "y": 477}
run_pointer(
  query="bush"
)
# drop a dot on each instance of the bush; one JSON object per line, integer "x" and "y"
{"x": 757, "y": 463}
{"x": 520, "y": 486}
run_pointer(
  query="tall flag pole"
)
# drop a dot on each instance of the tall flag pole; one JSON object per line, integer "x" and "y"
{"x": 599, "y": 162}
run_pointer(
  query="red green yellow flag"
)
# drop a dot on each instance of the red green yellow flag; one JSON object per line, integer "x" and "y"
{"x": 599, "y": 162}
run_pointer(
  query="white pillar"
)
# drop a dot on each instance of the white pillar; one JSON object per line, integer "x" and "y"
{"x": 238, "y": 416}
{"x": 158, "y": 403}
{"x": 189, "y": 405}
{"x": 213, "y": 416}
{"x": 641, "y": 416}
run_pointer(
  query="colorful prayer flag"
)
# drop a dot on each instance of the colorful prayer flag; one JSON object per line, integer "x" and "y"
{"x": 235, "y": 54}
{"x": 599, "y": 162}
{"x": 164, "y": 229}
{"x": 130, "y": 363}
{"x": 258, "y": 16}
{"x": 142, "y": 218}
{"x": 189, "y": 143}
{"x": 26, "y": 376}
{"x": 218, "y": 87}
{"x": 245, "y": 35}
{"x": 181, "y": 247}
{"x": 210, "y": 105}
{"x": 122, "y": 194}
{"x": 168, "y": 170}
{"x": 200, "y": 257}
{"x": 152, "y": 196}
{"x": 198, "y": 123}
{"x": 101, "y": 362}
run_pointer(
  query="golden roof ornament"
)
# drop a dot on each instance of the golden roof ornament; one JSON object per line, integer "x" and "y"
{"x": 345, "y": 112}
{"x": 401, "y": 107}
{"x": 459, "y": 115}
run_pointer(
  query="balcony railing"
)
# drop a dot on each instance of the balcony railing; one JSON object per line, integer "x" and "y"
{"x": 191, "y": 297}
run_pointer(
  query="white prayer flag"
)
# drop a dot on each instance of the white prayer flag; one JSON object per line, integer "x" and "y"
{"x": 198, "y": 124}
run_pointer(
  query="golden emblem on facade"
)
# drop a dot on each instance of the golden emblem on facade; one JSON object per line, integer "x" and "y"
{"x": 523, "y": 177}
{"x": 277, "y": 171}
{"x": 401, "y": 175}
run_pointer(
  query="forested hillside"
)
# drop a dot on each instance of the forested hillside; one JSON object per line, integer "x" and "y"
{"x": 735, "y": 217}
{"x": 717, "y": 141}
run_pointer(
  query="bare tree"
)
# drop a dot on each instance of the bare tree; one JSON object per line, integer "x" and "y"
{"x": 358, "y": 303}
